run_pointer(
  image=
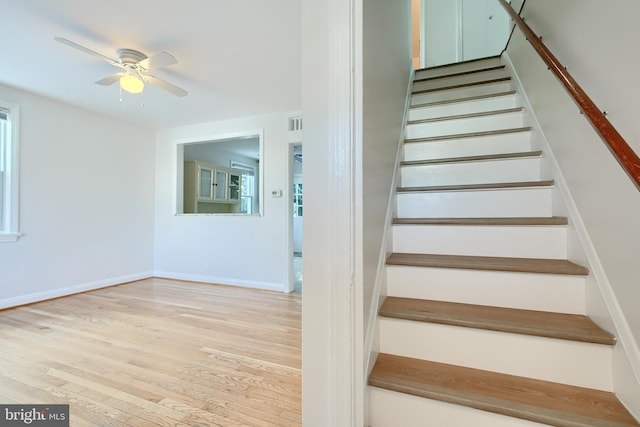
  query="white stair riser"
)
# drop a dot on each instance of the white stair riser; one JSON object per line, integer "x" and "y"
{"x": 499, "y": 241}
{"x": 466, "y": 204}
{"x": 464, "y": 107}
{"x": 475, "y": 172}
{"x": 465, "y": 125}
{"x": 458, "y": 68}
{"x": 459, "y": 79}
{"x": 390, "y": 409}
{"x": 468, "y": 146}
{"x": 464, "y": 92}
{"x": 557, "y": 293}
{"x": 549, "y": 359}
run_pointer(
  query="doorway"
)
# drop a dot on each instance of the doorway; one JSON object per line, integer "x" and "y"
{"x": 296, "y": 212}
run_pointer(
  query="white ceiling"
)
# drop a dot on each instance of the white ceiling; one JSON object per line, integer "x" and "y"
{"x": 235, "y": 57}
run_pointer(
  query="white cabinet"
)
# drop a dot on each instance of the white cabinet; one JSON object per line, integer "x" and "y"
{"x": 210, "y": 189}
{"x": 220, "y": 189}
{"x": 204, "y": 176}
{"x": 485, "y": 29}
{"x": 461, "y": 30}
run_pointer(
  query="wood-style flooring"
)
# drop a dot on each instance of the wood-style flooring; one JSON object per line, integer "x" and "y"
{"x": 158, "y": 352}
{"x": 538, "y": 401}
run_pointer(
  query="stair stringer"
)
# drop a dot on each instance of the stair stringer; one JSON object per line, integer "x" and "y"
{"x": 602, "y": 304}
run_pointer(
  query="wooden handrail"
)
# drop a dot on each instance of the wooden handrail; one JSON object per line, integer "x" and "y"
{"x": 627, "y": 158}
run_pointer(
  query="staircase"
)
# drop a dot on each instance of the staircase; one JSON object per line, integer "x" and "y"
{"x": 484, "y": 323}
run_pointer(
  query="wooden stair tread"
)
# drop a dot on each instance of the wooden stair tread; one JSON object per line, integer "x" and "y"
{"x": 468, "y": 61}
{"x": 535, "y": 400}
{"x": 468, "y": 135}
{"x": 526, "y": 265}
{"x": 462, "y": 85}
{"x": 572, "y": 327}
{"x": 470, "y": 98}
{"x": 461, "y": 73}
{"x": 480, "y": 158}
{"x": 553, "y": 220}
{"x": 472, "y": 187}
{"x": 466, "y": 116}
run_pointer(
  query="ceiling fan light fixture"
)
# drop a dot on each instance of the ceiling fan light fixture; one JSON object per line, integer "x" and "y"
{"x": 131, "y": 83}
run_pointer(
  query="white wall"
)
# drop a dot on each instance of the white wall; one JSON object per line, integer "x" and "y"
{"x": 387, "y": 71}
{"x": 208, "y": 153}
{"x": 297, "y": 234}
{"x": 230, "y": 249}
{"x": 86, "y": 202}
{"x": 603, "y": 62}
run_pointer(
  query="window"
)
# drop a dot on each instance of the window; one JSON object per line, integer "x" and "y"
{"x": 248, "y": 187}
{"x": 297, "y": 199}
{"x": 246, "y": 198}
{"x": 8, "y": 172}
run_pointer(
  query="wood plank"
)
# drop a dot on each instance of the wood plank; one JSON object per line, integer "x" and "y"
{"x": 465, "y": 159}
{"x": 469, "y": 61}
{"x": 461, "y": 73}
{"x": 473, "y": 187}
{"x": 456, "y": 100}
{"x": 158, "y": 352}
{"x": 552, "y": 220}
{"x": 526, "y": 265}
{"x": 462, "y": 85}
{"x": 468, "y": 135}
{"x": 529, "y": 322}
{"x": 466, "y": 116}
{"x": 535, "y": 400}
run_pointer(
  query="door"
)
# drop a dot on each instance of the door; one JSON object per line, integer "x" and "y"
{"x": 220, "y": 185}
{"x": 485, "y": 29}
{"x": 462, "y": 30}
{"x": 205, "y": 183}
{"x": 295, "y": 216}
{"x": 441, "y": 31}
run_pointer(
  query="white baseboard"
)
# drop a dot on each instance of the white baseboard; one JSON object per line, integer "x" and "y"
{"x": 113, "y": 281}
{"x": 268, "y": 286}
{"x": 70, "y": 290}
{"x": 630, "y": 369}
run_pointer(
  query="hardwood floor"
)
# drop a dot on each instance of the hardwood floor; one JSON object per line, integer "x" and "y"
{"x": 539, "y": 401}
{"x": 158, "y": 352}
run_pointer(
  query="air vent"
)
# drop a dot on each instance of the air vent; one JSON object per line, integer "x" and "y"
{"x": 295, "y": 123}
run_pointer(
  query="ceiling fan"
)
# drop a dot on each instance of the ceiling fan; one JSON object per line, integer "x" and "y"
{"x": 136, "y": 67}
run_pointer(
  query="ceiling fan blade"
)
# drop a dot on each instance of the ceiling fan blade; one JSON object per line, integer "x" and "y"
{"x": 86, "y": 50}
{"x": 165, "y": 85}
{"x": 109, "y": 80}
{"x": 158, "y": 60}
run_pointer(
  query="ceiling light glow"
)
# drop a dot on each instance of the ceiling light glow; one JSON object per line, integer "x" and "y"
{"x": 131, "y": 83}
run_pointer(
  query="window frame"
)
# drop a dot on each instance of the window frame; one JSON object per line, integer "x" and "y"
{"x": 298, "y": 205}
{"x": 246, "y": 170}
{"x": 9, "y": 226}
